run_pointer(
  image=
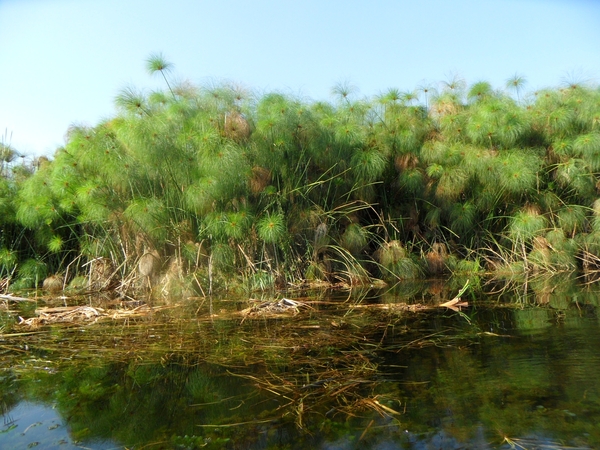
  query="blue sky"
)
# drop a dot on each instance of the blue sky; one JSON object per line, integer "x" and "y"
{"x": 64, "y": 61}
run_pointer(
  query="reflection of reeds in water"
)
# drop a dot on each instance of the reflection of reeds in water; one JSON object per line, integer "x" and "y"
{"x": 323, "y": 363}
{"x": 342, "y": 384}
{"x": 326, "y": 371}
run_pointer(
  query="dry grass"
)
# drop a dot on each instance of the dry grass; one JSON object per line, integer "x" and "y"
{"x": 285, "y": 306}
{"x": 236, "y": 127}
{"x": 82, "y": 315}
{"x": 54, "y": 283}
{"x": 436, "y": 259}
{"x": 260, "y": 179}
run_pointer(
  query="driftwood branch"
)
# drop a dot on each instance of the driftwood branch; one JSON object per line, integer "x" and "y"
{"x": 12, "y": 298}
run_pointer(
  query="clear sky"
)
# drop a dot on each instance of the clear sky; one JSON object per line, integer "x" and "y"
{"x": 64, "y": 61}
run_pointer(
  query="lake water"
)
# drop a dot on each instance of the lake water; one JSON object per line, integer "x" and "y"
{"x": 517, "y": 368}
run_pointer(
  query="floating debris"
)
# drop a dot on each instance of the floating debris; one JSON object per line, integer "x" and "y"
{"x": 285, "y": 306}
{"x": 83, "y": 315}
{"x": 46, "y": 316}
{"x": 12, "y": 298}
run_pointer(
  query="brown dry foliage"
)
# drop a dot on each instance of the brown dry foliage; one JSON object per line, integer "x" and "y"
{"x": 540, "y": 243}
{"x": 444, "y": 108}
{"x": 260, "y": 179}
{"x": 101, "y": 274}
{"x": 531, "y": 209}
{"x": 407, "y": 161}
{"x": 236, "y": 127}
{"x": 436, "y": 259}
{"x": 54, "y": 283}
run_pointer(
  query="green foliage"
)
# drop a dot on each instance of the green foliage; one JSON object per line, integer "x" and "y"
{"x": 316, "y": 271}
{"x": 516, "y": 84}
{"x": 148, "y": 216}
{"x": 396, "y": 263}
{"x": 463, "y": 218}
{"x": 572, "y": 219}
{"x": 461, "y": 165}
{"x": 222, "y": 257}
{"x": 8, "y": 261}
{"x": 575, "y": 178}
{"x": 271, "y": 228}
{"x": 480, "y": 91}
{"x": 156, "y": 63}
{"x": 131, "y": 101}
{"x": 31, "y": 273}
{"x": 412, "y": 180}
{"x": 355, "y": 238}
{"x": 526, "y": 224}
{"x": 588, "y": 147}
{"x": 403, "y": 269}
{"x": 237, "y": 224}
{"x": 465, "y": 266}
{"x": 7, "y": 194}
{"x": 368, "y": 165}
{"x": 390, "y": 253}
{"x": 452, "y": 184}
{"x": 516, "y": 172}
{"x": 56, "y": 244}
{"x": 261, "y": 281}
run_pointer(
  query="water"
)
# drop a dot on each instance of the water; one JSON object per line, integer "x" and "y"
{"x": 352, "y": 371}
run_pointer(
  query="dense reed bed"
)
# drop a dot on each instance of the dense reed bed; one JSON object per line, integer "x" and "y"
{"x": 196, "y": 189}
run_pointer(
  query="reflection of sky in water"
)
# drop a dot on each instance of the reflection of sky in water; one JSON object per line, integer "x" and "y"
{"x": 443, "y": 441}
{"x": 33, "y": 425}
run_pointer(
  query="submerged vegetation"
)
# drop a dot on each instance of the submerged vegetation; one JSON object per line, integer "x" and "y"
{"x": 198, "y": 189}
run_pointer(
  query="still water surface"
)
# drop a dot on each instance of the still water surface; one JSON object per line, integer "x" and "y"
{"x": 352, "y": 371}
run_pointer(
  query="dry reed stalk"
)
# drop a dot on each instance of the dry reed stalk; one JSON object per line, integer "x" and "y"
{"x": 12, "y": 298}
{"x": 101, "y": 273}
{"x": 85, "y": 315}
{"x": 66, "y": 314}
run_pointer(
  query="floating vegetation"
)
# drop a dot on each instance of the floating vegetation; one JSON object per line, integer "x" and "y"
{"x": 284, "y": 306}
{"x": 336, "y": 385}
{"x": 67, "y": 314}
{"x": 83, "y": 315}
